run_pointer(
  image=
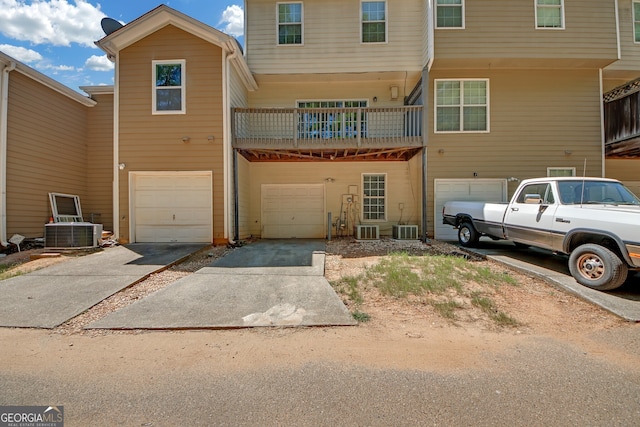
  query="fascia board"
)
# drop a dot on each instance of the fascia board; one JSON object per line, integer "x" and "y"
{"x": 47, "y": 81}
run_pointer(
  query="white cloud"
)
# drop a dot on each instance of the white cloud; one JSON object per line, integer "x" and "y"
{"x": 98, "y": 63}
{"x": 232, "y": 21}
{"x": 55, "y": 22}
{"x": 20, "y": 53}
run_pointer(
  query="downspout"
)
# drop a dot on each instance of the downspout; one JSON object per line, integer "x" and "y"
{"x": 4, "y": 129}
{"x": 116, "y": 151}
{"x": 232, "y": 53}
{"x": 425, "y": 138}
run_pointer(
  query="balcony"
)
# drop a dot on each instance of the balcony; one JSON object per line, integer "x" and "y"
{"x": 393, "y": 133}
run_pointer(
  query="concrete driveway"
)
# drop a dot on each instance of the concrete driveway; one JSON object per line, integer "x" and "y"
{"x": 267, "y": 283}
{"x": 624, "y": 301}
{"x": 49, "y": 297}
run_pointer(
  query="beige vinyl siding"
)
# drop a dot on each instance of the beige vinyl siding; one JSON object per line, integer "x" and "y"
{"x": 535, "y": 117}
{"x": 154, "y": 142}
{"x": 622, "y": 169}
{"x": 244, "y": 198}
{"x": 427, "y": 25}
{"x": 285, "y": 95}
{"x": 498, "y": 33}
{"x": 403, "y": 186}
{"x": 332, "y": 39}
{"x": 238, "y": 95}
{"x": 629, "y": 64}
{"x": 99, "y": 199}
{"x": 46, "y": 152}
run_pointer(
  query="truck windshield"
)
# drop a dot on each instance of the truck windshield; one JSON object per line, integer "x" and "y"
{"x": 595, "y": 192}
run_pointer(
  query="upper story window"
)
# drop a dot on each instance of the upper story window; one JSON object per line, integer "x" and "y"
{"x": 549, "y": 14}
{"x": 462, "y": 105}
{"x": 636, "y": 21}
{"x": 374, "y": 21}
{"x": 289, "y": 23}
{"x": 449, "y": 13}
{"x": 169, "y": 87}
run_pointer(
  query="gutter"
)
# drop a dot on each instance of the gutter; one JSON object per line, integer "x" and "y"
{"x": 4, "y": 104}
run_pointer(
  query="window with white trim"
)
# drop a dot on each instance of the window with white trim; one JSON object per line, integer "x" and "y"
{"x": 374, "y": 193}
{"x": 373, "y": 15}
{"x": 549, "y": 13}
{"x": 169, "y": 92}
{"x": 462, "y": 105}
{"x": 561, "y": 171}
{"x": 636, "y": 21}
{"x": 290, "y": 23}
{"x": 449, "y": 13}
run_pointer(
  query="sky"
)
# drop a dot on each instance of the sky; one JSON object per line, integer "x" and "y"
{"x": 56, "y": 37}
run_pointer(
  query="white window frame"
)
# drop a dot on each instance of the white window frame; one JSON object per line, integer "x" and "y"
{"x": 386, "y": 21}
{"x": 182, "y": 87}
{"x": 278, "y": 23}
{"x": 557, "y": 169}
{"x": 562, "y": 14}
{"x": 636, "y": 20}
{"x": 462, "y": 105}
{"x": 435, "y": 16}
{"x": 384, "y": 198}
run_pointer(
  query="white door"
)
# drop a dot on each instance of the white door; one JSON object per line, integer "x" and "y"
{"x": 480, "y": 190}
{"x": 293, "y": 211}
{"x": 172, "y": 207}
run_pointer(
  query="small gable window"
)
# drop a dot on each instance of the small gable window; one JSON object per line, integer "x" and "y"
{"x": 169, "y": 87}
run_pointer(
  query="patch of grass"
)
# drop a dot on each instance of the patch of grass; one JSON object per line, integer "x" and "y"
{"x": 361, "y": 317}
{"x": 6, "y": 273}
{"x": 349, "y": 286}
{"x": 400, "y": 275}
{"x": 446, "y": 309}
{"x": 488, "y": 306}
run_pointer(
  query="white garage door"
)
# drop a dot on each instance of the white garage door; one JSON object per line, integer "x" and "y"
{"x": 293, "y": 211}
{"x": 172, "y": 207}
{"x": 482, "y": 190}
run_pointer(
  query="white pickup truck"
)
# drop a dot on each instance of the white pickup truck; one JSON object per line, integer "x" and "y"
{"x": 596, "y": 221}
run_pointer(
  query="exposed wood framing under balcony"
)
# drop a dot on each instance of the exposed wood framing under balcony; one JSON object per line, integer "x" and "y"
{"x": 347, "y": 154}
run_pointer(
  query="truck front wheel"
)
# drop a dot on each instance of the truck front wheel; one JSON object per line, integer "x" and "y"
{"x": 597, "y": 267}
{"x": 467, "y": 235}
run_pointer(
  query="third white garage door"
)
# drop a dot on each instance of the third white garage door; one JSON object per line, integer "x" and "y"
{"x": 481, "y": 190}
{"x": 293, "y": 211}
{"x": 172, "y": 207}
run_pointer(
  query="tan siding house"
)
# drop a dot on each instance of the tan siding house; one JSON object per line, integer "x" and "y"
{"x": 347, "y": 117}
{"x": 43, "y": 133}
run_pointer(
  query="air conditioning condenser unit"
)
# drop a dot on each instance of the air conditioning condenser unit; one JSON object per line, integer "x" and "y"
{"x": 79, "y": 235}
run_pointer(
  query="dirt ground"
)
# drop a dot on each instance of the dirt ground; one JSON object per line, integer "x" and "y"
{"x": 404, "y": 333}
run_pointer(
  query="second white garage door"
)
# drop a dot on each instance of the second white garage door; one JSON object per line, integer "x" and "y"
{"x": 172, "y": 207}
{"x": 480, "y": 190}
{"x": 293, "y": 211}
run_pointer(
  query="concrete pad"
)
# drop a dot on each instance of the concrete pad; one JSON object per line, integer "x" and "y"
{"x": 49, "y": 297}
{"x": 234, "y": 301}
{"x": 623, "y": 302}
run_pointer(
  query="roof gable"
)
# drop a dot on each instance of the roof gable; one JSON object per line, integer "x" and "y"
{"x": 162, "y": 16}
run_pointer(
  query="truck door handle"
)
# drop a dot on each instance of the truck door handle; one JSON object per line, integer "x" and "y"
{"x": 515, "y": 209}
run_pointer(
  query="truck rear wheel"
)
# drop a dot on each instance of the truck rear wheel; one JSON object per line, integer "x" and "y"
{"x": 467, "y": 235}
{"x": 597, "y": 267}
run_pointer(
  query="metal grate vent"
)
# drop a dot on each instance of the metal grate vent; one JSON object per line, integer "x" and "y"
{"x": 405, "y": 232}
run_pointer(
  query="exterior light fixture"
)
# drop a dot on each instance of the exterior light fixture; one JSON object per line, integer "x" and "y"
{"x": 186, "y": 139}
{"x": 121, "y": 166}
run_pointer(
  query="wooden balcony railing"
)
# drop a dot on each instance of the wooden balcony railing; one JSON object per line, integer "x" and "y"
{"x": 325, "y": 128}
